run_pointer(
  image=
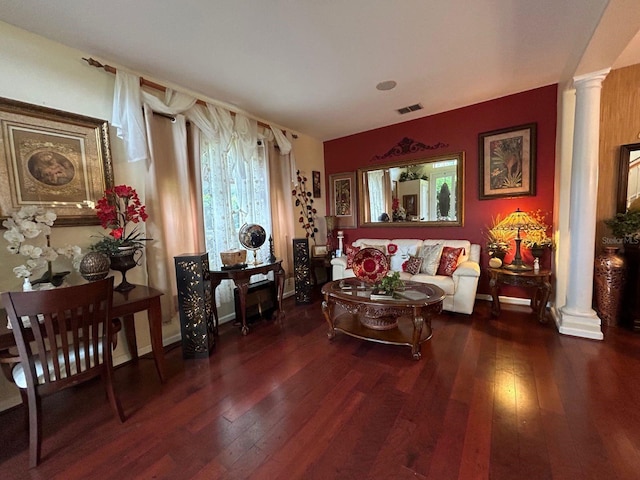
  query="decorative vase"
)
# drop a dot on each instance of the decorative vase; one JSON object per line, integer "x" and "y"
{"x": 94, "y": 266}
{"x": 537, "y": 252}
{"x": 123, "y": 261}
{"x": 609, "y": 282}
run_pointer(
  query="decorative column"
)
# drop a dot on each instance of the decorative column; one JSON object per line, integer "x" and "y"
{"x": 576, "y": 316}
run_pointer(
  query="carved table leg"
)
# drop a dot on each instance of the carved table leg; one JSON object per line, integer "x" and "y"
{"x": 544, "y": 291}
{"x": 280, "y": 282}
{"x": 495, "y": 304}
{"x": 418, "y": 324}
{"x": 243, "y": 288}
{"x": 214, "y": 307}
{"x": 327, "y": 310}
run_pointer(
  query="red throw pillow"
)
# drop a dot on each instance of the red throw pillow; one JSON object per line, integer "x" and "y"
{"x": 351, "y": 252}
{"x": 449, "y": 260}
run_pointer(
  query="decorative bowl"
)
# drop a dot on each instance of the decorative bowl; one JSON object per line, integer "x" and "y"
{"x": 370, "y": 265}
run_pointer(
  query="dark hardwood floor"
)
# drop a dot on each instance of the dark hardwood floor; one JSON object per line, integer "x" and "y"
{"x": 503, "y": 398}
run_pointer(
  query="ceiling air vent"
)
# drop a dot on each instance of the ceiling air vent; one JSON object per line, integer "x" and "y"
{"x": 409, "y": 109}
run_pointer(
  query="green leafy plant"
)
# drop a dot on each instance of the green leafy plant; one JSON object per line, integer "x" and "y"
{"x": 625, "y": 225}
{"x": 390, "y": 283}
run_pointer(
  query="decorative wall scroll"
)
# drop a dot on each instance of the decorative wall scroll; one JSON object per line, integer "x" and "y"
{"x": 316, "y": 184}
{"x": 53, "y": 159}
{"x": 507, "y": 160}
{"x": 407, "y": 146}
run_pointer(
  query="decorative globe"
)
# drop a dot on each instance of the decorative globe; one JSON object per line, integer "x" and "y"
{"x": 94, "y": 266}
{"x": 252, "y": 236}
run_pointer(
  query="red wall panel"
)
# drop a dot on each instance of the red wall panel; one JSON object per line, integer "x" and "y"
{"x": 459, "y": 129}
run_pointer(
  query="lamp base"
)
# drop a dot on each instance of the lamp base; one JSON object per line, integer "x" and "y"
{"x": 518, "y": 267}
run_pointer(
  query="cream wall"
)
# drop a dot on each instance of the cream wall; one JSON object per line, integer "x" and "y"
{"x": 36, "y": 70}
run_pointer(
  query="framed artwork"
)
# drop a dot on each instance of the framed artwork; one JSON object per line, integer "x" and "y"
{"x": 319, "y": 251}
{"x": 316, "y": 184}
{"x": 56, "y": 160}
{"x": 409, "y": 202}
{"x": 342, "y": 199}
{"x": 507, "y": 161}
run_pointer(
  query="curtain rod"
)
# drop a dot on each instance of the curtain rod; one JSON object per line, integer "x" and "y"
{"x": 148, "y": 83}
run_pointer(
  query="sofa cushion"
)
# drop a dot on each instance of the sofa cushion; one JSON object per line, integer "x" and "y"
{"x": 405, "y": 249}
{"x": 378, "y": 246}
{"x": 351, "y": 251}
{"x": 449, "y": 260}
{"x": 465, "y": 244}
{"x": 430, "y": 258}
{"x": 412, "y": 265}
{"x": 445, "y": 283}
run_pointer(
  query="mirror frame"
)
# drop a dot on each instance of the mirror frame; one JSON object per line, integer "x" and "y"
{"x": 623, "y": 172}
{"x": 363, "y": 202}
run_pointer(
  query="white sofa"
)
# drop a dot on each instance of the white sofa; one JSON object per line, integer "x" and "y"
{"x": 460, "y": 288}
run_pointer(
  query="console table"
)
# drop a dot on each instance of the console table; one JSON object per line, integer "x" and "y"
{"x": 539, "y": 280}
{"x": 397, "y": 321}
{"x": 241, "y": 277}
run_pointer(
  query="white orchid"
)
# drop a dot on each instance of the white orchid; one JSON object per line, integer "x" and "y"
{"x": 27, "y": 224}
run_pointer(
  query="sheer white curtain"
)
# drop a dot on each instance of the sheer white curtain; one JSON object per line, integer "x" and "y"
{"x": 232, "y": 172}
{"x": 375, "y": 180}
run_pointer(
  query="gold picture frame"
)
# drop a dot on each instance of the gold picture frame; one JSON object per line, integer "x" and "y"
{"x": 53, "y": 159}
{"x": 507, "y": 161}
{"x": 343, "y": 199}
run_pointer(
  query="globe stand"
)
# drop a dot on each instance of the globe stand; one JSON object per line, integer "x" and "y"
{"x": 255, "y": 257}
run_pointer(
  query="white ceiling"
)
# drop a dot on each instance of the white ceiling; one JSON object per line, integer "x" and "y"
{"x": 312, "y": 65}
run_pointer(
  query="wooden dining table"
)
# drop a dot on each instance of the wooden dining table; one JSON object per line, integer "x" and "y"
{"x": 125, "y": 305}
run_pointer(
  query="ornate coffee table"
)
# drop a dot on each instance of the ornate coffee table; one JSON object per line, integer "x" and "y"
{"x": 403, "y": 320}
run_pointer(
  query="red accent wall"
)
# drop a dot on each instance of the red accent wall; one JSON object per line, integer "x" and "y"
{"x": 460, "y": 129}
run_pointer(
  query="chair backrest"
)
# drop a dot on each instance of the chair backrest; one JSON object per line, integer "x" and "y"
{"x": 63, "y": 335}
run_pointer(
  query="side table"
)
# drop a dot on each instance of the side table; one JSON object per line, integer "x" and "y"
{"x": 539, "y": 280}
{"x": 320, "y": 262}
{"x": 241, "y": 277}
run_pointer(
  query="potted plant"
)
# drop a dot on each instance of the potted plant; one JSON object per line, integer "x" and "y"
{"x": 389, "y": 284}
{"x": 117, "y": 209}
{"x": 626, "y": 226}
{"x": 538, "y": 240}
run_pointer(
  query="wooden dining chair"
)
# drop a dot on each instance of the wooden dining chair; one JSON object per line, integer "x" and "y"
{"x": 63, "y": 337}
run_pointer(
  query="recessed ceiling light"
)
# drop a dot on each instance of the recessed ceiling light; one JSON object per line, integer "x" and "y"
{"x": 386, "y": 85}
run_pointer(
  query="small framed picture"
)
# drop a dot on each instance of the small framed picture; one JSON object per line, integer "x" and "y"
{"x": 316, "y": 184}
{"x": 319, "y": 251}
{"x": 343, "y": 198}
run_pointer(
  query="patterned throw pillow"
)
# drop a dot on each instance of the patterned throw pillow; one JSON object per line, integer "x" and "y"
{"x": 392, "y": 248}
{"x": 412, "y": 265}
{"x": 351, "y": 252}
{"x": 382, "y": 248}
{"x": 430, "y": 258}
{"x": 449, "y": 260}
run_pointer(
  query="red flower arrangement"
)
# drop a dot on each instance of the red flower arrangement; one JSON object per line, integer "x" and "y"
{"x": 119, "y": 207}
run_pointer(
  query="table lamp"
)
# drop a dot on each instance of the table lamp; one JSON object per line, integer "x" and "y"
{"x": 518, "y": 221}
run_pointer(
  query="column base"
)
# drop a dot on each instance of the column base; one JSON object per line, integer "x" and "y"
{"x": 579, "y": 324}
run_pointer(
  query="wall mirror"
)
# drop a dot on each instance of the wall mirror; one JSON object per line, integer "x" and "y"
{"x": 629, "y": 183}
{"x": 421, "y": 192}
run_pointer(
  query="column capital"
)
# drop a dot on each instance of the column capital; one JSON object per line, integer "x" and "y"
{"x": 591, "y": 79}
